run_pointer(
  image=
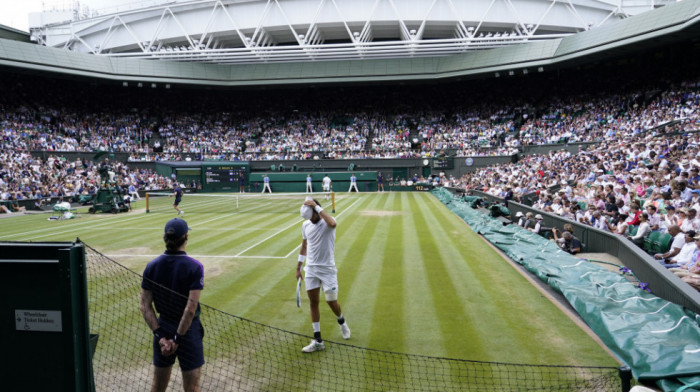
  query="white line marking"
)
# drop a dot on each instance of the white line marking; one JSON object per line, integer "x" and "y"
{"x": 76, "y": 226}
{"x": 260, "y": 242}
{"x": 286, "y": 228}
{"x": 199, "y": 256}
{"x": 199, "y": 229}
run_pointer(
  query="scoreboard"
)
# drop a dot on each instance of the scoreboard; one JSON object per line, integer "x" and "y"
{"x": 224, "y": 177}
{"x": 443, "y": 162}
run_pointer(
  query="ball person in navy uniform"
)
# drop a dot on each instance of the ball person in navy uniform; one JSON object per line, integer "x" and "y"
{"x": 173, "y": 282}
{"x": 317, "y": 249}
{"x": 177, "y": 192}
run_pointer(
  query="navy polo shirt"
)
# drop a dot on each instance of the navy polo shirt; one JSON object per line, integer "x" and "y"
{"x": 170, "y": 277}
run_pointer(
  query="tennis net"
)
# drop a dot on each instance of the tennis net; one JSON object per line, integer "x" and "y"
{"x": 201, "y": 203}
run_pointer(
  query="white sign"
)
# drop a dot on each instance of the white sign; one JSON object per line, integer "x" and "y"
{"x": 38, "y": 320}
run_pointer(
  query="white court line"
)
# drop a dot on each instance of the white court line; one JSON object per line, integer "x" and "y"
{"x": 77, "y": 226}
{"x": 239, "y": 254}
{"x": 92, "y": 223}
{"x": 293, "y": 224}
{"x": 116, "y": 255}
{"x": 198, "y": 230}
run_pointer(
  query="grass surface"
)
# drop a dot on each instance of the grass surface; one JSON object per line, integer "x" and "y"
{"x": 413, "y": 277}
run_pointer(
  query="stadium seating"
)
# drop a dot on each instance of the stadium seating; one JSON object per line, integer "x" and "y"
{"x": 651, "y": 239}
{"x": 663, "y": 244}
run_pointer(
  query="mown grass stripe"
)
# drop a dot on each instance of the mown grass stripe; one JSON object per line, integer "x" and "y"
{"x": 420, "y": 315}
{"x": 388, "y": 322}
{"x": 484, "y": 281}
{"x": 444, "y": 299}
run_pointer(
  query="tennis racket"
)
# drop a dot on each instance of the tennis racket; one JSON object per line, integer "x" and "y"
{"x": 299, "y": 293}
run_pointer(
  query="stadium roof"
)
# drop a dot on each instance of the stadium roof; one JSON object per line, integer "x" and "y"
{"x": 7, "y": 32}
{"x": 672, "y": 24}
{"x": 266, "y": 31}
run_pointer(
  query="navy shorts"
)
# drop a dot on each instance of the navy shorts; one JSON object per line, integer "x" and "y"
{"x": 177, "y": 202}
{"x": 190, "y": 352}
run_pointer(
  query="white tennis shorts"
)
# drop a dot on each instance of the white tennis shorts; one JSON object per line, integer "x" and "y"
{"x": 326, "y": 188}
{"x": 324, "y": 277}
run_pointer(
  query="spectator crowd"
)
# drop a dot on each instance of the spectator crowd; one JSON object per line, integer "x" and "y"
{"x": 639, "y": 175}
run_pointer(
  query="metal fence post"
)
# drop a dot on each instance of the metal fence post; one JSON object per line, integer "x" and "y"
{"x": 625, "y": 378}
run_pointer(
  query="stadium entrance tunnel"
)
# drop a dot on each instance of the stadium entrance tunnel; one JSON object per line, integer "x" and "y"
{"x": 657, "y": 339}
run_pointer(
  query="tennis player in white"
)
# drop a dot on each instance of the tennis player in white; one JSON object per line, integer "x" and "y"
{"x": 326, "y": 185}
{"x": 317, "y": 249}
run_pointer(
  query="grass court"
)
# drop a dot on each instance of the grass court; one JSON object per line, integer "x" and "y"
{"x": 413, "y": 277}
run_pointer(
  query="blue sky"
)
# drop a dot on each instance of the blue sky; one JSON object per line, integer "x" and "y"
{"x": 14, "y": 13}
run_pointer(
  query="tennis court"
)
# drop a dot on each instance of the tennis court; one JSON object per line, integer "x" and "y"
{"x": 417, "y": 287}
{"x": 413, "y": 277}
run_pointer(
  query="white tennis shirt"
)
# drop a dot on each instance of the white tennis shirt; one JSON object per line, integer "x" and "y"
{"x": 320, "y": 243}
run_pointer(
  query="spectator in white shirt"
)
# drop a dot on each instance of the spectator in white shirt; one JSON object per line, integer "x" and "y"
{"x": 676, "y": 245}
{"x": 686, "y": 253}
{"x": 654, "y": 217}
{"x": 642, "y": 231}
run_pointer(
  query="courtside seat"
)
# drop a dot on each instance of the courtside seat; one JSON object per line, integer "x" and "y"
{"x": 663, "y": 244}
{"x": 632, "y": 230}
{"x": 650, "y": 240}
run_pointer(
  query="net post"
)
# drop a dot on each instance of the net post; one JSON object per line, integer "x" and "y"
{"x": 625, "y": 378}
{"x": 333, "y": 202}
{"x": 147, "y": 209}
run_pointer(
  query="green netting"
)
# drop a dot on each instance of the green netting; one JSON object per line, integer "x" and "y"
{"x": 657, "y": 339}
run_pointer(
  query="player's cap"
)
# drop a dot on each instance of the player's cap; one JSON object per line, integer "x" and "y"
{"x": 177, "y": 227}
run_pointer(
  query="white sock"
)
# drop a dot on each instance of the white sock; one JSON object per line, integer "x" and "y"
{"x": 317, "y": 326}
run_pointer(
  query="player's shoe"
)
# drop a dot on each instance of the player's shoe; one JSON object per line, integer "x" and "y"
{"x": 314, "y": 346}
{"x": 182, "y": 213}
{"x": 345, "y": 330}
